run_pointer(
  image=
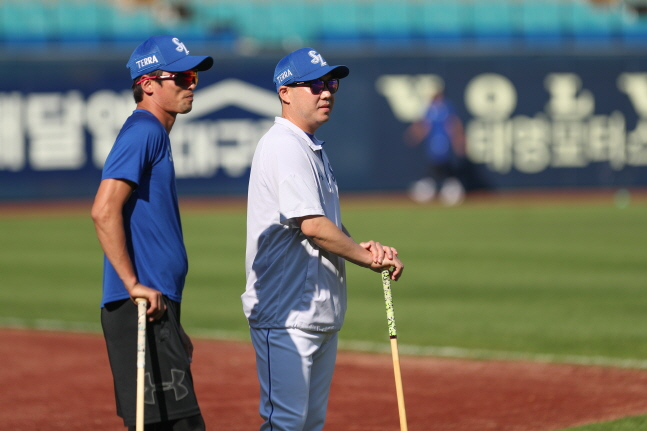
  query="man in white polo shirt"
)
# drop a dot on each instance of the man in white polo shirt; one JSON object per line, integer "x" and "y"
{"x": 295, "y": 299}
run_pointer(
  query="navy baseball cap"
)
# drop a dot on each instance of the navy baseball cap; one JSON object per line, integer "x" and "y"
{"x": 164, "y": 53}
{"x": 305, "y": 64}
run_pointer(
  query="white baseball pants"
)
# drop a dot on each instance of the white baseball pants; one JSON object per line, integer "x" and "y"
{"x": 295, "y": 369}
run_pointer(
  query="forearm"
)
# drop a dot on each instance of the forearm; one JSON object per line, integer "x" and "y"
{"x": 371, "y": 254}
{"x": 109, "y": 225}
{"x": 343, "y": 228}
{"x": 331, "y": 238}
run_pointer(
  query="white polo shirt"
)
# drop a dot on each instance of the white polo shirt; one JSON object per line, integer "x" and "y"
{"x": 291, "y": 282}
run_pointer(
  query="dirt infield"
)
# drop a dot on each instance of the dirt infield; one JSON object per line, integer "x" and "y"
{"x": 61, "y": 381}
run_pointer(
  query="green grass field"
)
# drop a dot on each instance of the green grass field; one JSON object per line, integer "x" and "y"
{"x": 561, "y": 281}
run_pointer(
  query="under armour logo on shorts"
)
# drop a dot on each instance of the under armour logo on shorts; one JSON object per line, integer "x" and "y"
{"x": 175, "y": 385}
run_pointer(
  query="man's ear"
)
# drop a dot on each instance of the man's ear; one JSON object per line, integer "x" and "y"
{"x": 284, "y": 95}
{"x": 147, "y": 86}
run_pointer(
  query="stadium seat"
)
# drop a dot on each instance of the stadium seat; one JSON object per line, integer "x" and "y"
{"x": 341, "y": 23}
{"x": 26, "y": 22}
{"x": 590, "y": 24}
{"x": 390, "y": 22}
{"x": 541, "y": 22}
{"x": 273, "y": 24}
{"x": 77, "y": 20}
{"x": 133, "y": 24}
{"x": 633, "y": 27}
{"x": 440, "y": 22}
{"x": 492, "y": 21}
{"x": 215, "y": 22}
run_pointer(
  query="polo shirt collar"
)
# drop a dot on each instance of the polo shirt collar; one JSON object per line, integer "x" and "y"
{"x": 314, "y": 143}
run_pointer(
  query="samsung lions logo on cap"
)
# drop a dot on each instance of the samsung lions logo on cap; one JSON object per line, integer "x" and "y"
{"x": 146, "y": 61}
{"x": 317, "y": 58}
{"x": 180, "y": 46}
{"x": 283, "y": 76}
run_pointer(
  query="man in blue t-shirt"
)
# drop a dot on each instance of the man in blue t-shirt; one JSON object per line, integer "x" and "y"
{"x": 137, "y": 221}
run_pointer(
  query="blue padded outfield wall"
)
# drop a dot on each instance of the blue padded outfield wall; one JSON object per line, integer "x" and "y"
{"x": 531, "y": 121}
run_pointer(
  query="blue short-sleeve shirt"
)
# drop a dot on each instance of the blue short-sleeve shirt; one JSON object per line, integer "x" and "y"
{"x": 142, "y": 155}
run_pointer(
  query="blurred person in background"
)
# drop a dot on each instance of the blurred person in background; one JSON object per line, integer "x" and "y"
{"x": 137, "y": 220}
{"x": 441, "y": 133}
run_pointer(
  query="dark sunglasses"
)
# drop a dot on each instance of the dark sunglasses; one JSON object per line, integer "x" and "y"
{"x": 318, "y": 85}
{"x": 182, "y": 79}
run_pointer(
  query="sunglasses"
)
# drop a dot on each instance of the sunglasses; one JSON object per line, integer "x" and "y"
{"x": 182, "y": 79}
{"x": 318, "y": 85}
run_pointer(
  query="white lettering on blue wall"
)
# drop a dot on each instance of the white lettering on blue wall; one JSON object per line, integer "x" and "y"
{"x": 566, "y": 134}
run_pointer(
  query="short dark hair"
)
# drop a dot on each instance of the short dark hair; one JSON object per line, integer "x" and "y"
{"x": 138, "y": 93}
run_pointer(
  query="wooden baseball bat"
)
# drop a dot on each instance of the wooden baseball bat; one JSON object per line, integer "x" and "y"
{"x": 142, "y": 304}
{"x": 390, "y": 318}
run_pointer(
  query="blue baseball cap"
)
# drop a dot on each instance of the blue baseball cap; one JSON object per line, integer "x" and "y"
{"x": 164, "y": 53}
{"x": 305, "y": 64}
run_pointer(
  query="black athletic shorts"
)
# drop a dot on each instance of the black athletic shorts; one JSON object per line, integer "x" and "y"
{"x": 169, "y": 393}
